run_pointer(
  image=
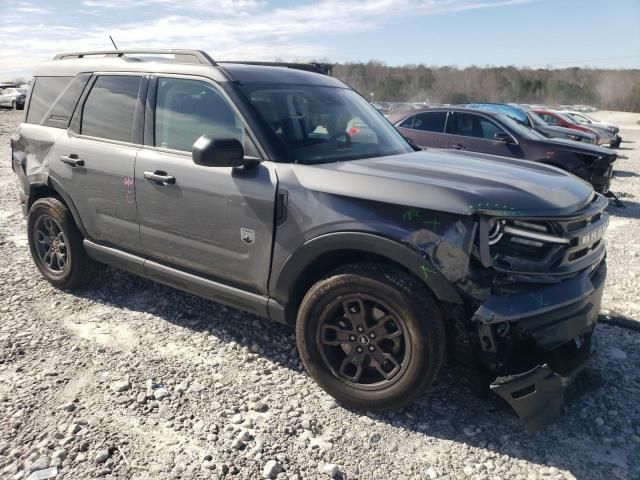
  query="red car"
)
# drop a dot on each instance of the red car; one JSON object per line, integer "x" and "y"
{"x": 561, "y": 120}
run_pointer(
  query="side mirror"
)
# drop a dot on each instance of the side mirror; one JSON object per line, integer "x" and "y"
{"x": 209, "y": 151}
{"x": 503, "y": 137}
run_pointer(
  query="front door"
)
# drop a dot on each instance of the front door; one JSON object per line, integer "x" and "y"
{"x": 213, "y": 221}
{"x": 477, "y": 133}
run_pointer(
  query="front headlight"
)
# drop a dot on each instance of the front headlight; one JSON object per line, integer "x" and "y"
{"x": 496, "y": 230}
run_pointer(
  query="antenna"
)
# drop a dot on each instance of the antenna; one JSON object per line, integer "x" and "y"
{"x": 114, "y": 43}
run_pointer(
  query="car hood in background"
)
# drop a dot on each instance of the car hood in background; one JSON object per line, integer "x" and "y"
{"x": 579, "y": 147}
{"x": 565, "y": 131}
{"x": 455, "y": 182}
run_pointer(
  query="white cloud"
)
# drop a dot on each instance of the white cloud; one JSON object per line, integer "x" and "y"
{"x": 227, "y": 29}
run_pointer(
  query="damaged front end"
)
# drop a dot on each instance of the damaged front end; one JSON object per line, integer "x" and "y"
{"x": 534, "y": 328}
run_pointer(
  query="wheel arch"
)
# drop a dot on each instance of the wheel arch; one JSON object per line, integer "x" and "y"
{"x": 323, "y": 254}
{"x": 53, "y": 189}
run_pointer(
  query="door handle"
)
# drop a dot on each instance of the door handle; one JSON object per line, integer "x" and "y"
{"x": 160, "y": 177}
{"x": 73, "y": 160}
{"x": 458, "y": 146}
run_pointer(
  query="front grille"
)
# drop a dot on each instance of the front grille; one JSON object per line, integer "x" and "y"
{"x": 550, "y": 245}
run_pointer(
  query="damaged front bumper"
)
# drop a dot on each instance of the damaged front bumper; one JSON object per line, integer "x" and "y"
{"x": 547, "y": 344}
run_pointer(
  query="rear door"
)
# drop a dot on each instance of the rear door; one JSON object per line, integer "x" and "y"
{"x": 95, "y": 158}
{"x": 213, "y": 221}
{"x": 426, "y": 129}
{"x": 476, "y": 133}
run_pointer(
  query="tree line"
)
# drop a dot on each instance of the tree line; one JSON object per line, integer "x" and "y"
{"x": 605, "y": 89}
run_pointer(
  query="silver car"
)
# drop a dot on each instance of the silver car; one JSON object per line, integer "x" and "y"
{"x": 13, "y": 97}
{"x": 608, "y": 133}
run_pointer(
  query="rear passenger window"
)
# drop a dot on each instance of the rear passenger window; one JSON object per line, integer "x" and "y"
{"x": 110, "y": 107}
{"x": 61, "y": 111}
{"x": 187, "y": 109}
{"x": 44, "y": 91}
{"x": 430, "y": 122}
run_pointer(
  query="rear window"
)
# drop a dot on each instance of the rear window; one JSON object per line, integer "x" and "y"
{"x": 60, "y": 114}
{"x": 44, "y": 92}
{"x": 430, "y": 122}
{"x": 110, "y": 107}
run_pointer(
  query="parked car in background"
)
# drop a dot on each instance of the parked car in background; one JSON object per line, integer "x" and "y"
{"x": 530, "y": 119}
{"x": 561, "y": 119}
{"x": 553, "y": 131}
{"x": 460, "y": 128}
{"x": 592, "y": 123}
{"x": 13, "y": 97}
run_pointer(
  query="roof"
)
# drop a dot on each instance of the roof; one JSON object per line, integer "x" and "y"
{"x": 185, "y": 62}
{"x": 256, "y": 73}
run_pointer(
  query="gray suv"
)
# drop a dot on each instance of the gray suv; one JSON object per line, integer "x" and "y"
{"x": 278, "y": 190}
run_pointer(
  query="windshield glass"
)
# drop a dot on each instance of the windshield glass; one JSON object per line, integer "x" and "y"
{"x": 526, "y": 132}
{"x": 537, "y": 120}
{"x": 319, "y": 124}
{"x": 565, "y": 117}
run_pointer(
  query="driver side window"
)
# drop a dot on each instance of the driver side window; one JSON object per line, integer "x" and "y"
{"x": 187, "y": 109}
{"x": 472, "y": 125}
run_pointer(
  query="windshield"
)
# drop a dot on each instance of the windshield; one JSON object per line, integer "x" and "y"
{"x": 579, "y": 118}
{"x": 526, "y": 132}
{"x": 324, "y": 124}
{"x": 537, "y": 120}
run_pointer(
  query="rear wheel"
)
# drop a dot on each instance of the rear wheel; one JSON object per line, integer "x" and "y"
{"x": 56, "y": 245}
{"x": 371, "y": 336}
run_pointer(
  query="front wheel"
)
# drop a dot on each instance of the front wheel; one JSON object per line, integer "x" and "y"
{"x": 371, "y": 336}
{"x": 56, "y": 245}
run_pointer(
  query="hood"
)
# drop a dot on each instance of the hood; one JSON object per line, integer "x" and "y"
{"x": 455, "y": 182}
{"x": 578, "y": 147}
{"x": 564, "y": 131}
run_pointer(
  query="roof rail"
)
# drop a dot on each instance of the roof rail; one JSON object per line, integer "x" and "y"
{"x": 181, "y": 56}
{"x": 324, "y": 68}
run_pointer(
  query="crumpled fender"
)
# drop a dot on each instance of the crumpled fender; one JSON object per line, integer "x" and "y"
{"x": 403, "y": 254}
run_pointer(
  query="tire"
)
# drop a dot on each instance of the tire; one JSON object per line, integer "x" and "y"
{"x": 50, "y": 225}
{"x": 397, "y": 363}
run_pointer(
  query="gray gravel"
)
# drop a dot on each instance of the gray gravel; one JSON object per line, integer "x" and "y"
{"x": 132, "y": 380}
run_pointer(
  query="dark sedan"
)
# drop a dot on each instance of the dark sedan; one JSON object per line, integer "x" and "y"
{"x": 498, "y": 134}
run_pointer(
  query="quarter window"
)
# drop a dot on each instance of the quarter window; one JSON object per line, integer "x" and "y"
{"x": 430, "y": 121}
{"x": 408, "y": 122}
{"x": 110, "y": 107}
{"x": 187, "y": 109}
{"x": 44, "y": 91}
{"x": 60, "y": 113}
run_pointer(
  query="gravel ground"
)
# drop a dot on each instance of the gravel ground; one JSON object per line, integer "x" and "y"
{"x": 132, "y": 380}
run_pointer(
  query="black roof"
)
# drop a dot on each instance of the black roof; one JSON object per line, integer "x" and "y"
{"x": 272, "y": 73}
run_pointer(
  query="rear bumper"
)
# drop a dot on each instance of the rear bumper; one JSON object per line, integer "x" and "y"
{"x": 553, "y": 327}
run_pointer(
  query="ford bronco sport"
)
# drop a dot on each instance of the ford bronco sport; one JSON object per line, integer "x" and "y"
{"x": 283, "y": 193}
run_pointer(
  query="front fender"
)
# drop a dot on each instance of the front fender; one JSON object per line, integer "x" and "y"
{"x": 402, "y": 254}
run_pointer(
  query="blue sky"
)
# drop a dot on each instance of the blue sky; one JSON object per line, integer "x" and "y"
{"x": 539, "y": 33}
